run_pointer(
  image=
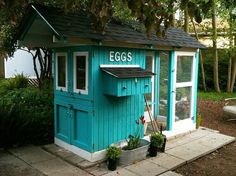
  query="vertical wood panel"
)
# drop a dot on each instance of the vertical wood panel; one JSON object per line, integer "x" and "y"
{"x": 115, "y": 116}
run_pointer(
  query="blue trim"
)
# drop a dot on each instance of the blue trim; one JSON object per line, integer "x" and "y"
{"x": 171, "y": 90}
{"x": 195, "y": 86}
{"x": 157, "y": 83}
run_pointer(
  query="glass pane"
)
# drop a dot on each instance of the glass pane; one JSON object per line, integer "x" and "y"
{"x": 183, "y": 103}
{"x": 163, "y": 89}
{"x": 184, "y": 68}
{"x": 81, "y": 72}
{"x": 61, "y": 71}
{"x": 149, "y": 67}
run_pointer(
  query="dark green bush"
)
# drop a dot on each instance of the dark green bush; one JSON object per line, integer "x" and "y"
{"x": 19, "y": 81}
{"x": 26, "y": 116}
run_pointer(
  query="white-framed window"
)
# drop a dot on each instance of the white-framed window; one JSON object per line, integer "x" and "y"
{"x": 80, "y": 72}
{"x": 61, "y": 71}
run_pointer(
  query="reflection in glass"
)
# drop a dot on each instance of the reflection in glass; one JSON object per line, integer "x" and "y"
{"x": 149, "y": 67}
{"x": 81, "y": 72}
{"x": 183, "y": 103}
{"x": 163, "y": 89}
{"x": 61, "y": 71}
{"x": 184, "y": 68}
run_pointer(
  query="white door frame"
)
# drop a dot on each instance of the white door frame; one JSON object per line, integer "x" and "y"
{"x": 186, "y": 124}
{"x": 146, "y": 115}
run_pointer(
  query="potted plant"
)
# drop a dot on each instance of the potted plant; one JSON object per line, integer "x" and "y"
{"x": 112, "y": 155}
{"x": 157, "y": 141}
{"x": 135, "y": 148}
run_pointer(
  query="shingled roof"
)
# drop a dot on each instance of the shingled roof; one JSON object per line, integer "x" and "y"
{"x": 65, "y": 25}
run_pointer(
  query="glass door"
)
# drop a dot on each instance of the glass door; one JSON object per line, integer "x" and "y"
{"x": 184, "y": 82}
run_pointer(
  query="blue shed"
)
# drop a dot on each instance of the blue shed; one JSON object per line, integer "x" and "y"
{"x": 100, "y": 79}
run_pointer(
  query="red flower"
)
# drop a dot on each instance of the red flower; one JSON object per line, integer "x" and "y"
{"x": 143, "y": 122}
{"x": 142, "y": 119}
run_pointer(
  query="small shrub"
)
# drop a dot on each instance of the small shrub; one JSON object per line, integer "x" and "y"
{"x": 113, "y": 152}
{"x": 18, "y": 82}
{"x": 157, "y": 140}
{"x": 26, "y": 116}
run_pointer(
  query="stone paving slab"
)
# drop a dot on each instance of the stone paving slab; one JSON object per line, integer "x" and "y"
{"x": 216, "y": 139}
{"x": 70, "y": 172}
{"x": 11, "y": 165}
{"x": 99, "y": 169}
{"x": 58, "y": 151}
{"x": 121, "y": 172}
{"x": 187, "y": 138}
{"x": 170, "y": 173}
{"x": 69, "y": 156}
{"x": 146, "y": 168}
{"x": 167, "y": 161}
{"x": 200, "y": 147}
{"x": 32, "y": 154}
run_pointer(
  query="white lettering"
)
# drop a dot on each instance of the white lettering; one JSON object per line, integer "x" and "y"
{"x": 123, "y": 56}
{"x": 111, "y": 56}
{"x": 117, "y": 56}
{"x": 120, "y": 56}
{"x": 129, "y": 59}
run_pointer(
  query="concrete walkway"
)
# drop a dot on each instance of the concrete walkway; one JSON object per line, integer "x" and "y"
{"x": 52, "y": 160}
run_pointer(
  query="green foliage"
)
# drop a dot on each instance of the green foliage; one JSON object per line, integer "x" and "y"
{"x": 157, "y": 140}
{"x": 7, "y": 40}
{"x": 132, "y": 142}
{"x": 223, "y": 55}
{"x": 18, "y": 82}
{"x": 198, "y": 120}
{"x": 113, "y": 152}
{"x": 26, "y": 116}
{"x": 214, "y": 96}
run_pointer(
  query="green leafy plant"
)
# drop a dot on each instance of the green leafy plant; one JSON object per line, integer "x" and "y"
{"x": 198, "y": 120}
{"x": 157, "y": 140}
{"x": 26, "y": 116}
{"x": 134, "y": 141}
{"x": 113, "y": 152}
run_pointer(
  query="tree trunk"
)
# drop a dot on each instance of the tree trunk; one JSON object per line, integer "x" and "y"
{"x": 215, "y": 53}
{"x": 172, "y": 15}
{"x": 201, "y": 59}
{"x": 186, "y": 18}
{"x": 234, "y": 70}
{"x": 233, "y": 76}
{"x": 228, "y": 88}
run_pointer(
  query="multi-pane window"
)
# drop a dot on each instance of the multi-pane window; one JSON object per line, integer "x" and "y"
{"x": 81, "y": 72}
{"x": 61, "y": 74}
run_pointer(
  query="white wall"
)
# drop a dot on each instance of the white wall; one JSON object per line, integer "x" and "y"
{"x": 21, "y": 62}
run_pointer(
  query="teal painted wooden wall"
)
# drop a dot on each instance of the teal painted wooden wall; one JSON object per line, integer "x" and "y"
{"x": 94, "y": 121}
{"x": 114, "y": 117}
